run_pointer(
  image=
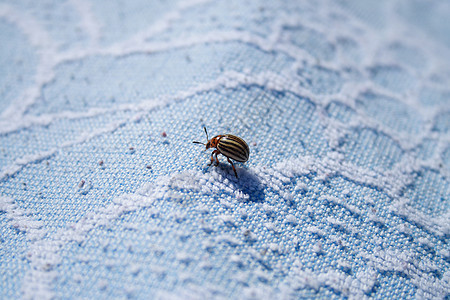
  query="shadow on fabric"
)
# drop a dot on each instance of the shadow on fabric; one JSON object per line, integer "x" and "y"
{"x": 248, "y": 183}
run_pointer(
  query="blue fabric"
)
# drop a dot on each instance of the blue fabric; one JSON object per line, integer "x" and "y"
{"x": 345, "y": 106}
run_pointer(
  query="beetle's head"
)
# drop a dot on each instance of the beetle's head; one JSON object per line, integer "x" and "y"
{"x": 212, "y": 143}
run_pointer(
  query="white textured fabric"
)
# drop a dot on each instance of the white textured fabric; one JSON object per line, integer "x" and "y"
{"x": 345, "y": 106}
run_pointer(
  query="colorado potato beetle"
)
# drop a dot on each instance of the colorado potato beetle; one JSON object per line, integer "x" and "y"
{"x": 229, "y": 146}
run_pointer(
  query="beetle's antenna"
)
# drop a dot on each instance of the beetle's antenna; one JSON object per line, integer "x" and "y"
{"x": 207, "y": 138}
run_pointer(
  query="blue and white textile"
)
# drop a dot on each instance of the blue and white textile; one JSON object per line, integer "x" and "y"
{"x": 345, "y": 106}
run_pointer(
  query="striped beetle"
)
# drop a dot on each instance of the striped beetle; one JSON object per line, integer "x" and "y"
{"x": 229, "y": 146}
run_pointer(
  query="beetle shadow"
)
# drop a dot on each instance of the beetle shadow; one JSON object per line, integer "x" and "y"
{"x": 248, "y": 182}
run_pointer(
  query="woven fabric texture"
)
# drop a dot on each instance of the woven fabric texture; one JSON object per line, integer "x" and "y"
{"x": 345, "y": 106}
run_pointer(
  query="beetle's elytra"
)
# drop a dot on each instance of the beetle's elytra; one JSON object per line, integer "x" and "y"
{"x": 229, "y": 146}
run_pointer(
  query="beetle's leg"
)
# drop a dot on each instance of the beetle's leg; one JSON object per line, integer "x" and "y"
{"x": 234, "y": 169}
{"x": 217, "y": 160}
{"x": 212, "y": 156}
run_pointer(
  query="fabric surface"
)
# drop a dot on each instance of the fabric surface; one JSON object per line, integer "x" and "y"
{"x": 345, "y": 106}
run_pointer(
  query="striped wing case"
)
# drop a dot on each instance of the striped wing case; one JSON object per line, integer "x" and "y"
{"x": 234, "y": 147}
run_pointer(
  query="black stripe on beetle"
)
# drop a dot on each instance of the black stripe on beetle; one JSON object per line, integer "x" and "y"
{"x": 229, "y": 146}
{"x": 233, "y": 147}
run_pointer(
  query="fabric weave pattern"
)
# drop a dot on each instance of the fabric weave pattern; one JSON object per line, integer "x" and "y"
{"x": 345, "y": 106}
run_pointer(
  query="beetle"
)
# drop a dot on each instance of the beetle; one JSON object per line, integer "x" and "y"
{"x": 229, "y": 146}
